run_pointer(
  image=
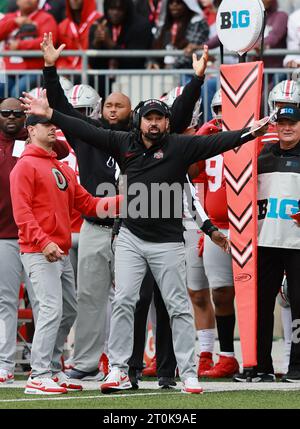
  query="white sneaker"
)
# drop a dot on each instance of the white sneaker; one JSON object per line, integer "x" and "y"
{"x": 64, "y": 381}
{"x": 6, "y": 376}
{"x": 116, "y": 380}
{"x": 43, "y": 386}
{"x": 191, "y": 385}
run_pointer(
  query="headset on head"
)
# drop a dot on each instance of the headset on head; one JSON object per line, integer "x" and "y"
{"x": 136, "y": 117}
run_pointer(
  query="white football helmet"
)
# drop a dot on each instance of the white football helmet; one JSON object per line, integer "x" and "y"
{"x": 287, "y": 91}
{"x": 36, "y": 92}
{"x": 171, "y": 97}
{"x": 66, "y": 85}
{"x": 84, "y": 96}
{"x": 215, "y": 103}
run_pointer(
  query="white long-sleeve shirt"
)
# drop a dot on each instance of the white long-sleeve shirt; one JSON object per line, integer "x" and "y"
{"x": 293, "y": 37}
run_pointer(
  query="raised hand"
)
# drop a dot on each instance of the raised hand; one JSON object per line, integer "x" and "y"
{"x": 260, "y": 127}
{"x": 200, "y": 65}
{"x": 37, "y": 106}
{"x": 51, "y": 54}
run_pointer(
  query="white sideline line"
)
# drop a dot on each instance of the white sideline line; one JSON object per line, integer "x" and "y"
{"x": 68, "y": 398}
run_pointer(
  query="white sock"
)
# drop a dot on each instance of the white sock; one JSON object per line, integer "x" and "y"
{"x": 206, "y": 339}
{"x": 286, "y": 318}
{"x": 228, "y": 354}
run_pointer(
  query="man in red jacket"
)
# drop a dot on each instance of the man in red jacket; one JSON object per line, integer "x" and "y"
{"x": 24, "y": 30}
{"x": 44, "y": 192}
{"x": 74, "y": 30}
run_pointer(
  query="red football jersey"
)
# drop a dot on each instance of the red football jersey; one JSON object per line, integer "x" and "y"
{"x": 215, "y": 184}
{"x": 71, "y": 161}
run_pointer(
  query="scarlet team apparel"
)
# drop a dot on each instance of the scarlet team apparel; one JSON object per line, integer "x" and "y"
{"x": 71, "y": 161}
{"x": 51, "y": 204}
{"x": 76, "y": 36}
{"x": 11, "y": 268}
{"x": 44, "y": 192}
{"x": 44, "y": 23}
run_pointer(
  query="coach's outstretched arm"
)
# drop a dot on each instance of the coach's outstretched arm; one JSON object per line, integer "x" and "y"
{"x": 195, "y": 148}
{"x": 106, "y": 140}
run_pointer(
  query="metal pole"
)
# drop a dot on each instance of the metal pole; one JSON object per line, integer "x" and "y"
{"x": 221, "y": 53}
{"x": 262, "y": 44}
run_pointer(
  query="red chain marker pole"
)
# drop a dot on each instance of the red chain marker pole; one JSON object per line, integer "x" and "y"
{"x": 241, "y": 86}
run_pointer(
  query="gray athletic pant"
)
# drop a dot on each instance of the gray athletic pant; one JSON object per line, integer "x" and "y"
{"x": 53, "y": 284}
{"x": 94, "y": 281}
{"x": 74, "y": 254}
{"x": 167, "y": 263}
{"x": 11, "y": 276}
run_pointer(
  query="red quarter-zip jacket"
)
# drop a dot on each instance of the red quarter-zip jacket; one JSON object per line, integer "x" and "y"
{"x": 44, "y": 192}
{"x": 76, "y": 36}
{"x": 44, "y": 23}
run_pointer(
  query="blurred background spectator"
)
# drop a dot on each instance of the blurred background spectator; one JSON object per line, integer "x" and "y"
{"x": 121, "y": 27}
{"x": 184, "y": 25}
{"x": 209, "y": 8}
{"x": 275, "y": 32}
{"x": 210, "y": 13}
{"x": 24, "y": 30}
{"x": 288, "y": 6}
{"x": 74, "y": 30}
{"x": 293, "y": 40}
{"x": 153, "y": 9}
{"x": 57, "y": 8}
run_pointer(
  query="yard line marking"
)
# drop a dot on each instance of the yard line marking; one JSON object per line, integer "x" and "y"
{"x": 87, "y": 397}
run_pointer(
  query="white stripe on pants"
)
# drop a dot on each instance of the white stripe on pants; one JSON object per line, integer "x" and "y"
{"x": 54, "y": 289}
{"x": 167, "y": 263}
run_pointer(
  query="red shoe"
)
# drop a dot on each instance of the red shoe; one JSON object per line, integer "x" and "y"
{"x": 226, "y": 367}
{"x": 205, "y": 363}
{"x": 104, "y": 364}
{"x": 150, "y": 370}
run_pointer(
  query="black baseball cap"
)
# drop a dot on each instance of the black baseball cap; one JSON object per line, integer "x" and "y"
{"x": 35, "y": 119}
{"x": 289, "y": 112}
{"x": 154, "y": 105}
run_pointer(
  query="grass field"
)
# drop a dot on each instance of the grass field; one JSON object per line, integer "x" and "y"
{"x": 150, "y": 399}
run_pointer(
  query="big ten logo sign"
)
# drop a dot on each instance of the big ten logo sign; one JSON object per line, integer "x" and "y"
{"x": 239, "y": 24}
{"x": 273, "y": 208}
{"x": 287, "y": 110}
{"x": 235, "y": 19}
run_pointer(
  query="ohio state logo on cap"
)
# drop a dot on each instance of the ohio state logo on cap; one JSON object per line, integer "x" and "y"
{"x": 239, "y": 24}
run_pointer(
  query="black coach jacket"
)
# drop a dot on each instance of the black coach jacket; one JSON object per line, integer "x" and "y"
{"x": 164, "y": 163}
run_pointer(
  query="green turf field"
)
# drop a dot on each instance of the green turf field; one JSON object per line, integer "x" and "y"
{"x": 149, "y": 399}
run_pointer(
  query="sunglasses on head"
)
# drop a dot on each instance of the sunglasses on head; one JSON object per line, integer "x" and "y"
{"x": 15, "y": 113}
